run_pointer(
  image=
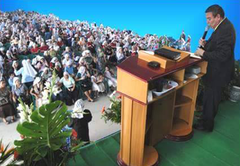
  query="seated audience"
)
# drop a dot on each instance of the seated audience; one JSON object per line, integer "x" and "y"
{"x": 6, "y": 107}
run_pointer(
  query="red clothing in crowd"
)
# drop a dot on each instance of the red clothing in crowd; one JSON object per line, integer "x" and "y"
{"x": 43, "y": 48}
{"x": 34, "y": 50}
{"x": 60, "y": 44}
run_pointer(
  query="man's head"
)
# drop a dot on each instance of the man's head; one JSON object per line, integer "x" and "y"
{"x": 214, "y": 15}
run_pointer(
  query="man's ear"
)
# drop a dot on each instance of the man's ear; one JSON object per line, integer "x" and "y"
{"x": 218, "y": 16}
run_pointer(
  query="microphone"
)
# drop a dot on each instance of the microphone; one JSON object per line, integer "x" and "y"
{"x": 205, "y": 34}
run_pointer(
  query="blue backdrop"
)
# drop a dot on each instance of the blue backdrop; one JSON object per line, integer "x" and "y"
{"x": 149, "y": 16}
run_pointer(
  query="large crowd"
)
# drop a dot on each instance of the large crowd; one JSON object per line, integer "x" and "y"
{"x": 84, "y": 57}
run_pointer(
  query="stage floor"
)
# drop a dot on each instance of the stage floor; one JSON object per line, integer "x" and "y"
{"x": 219, "y": 148}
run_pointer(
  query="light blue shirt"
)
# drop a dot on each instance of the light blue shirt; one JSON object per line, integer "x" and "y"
{"x": 69, "y": 70}
{"x": 67, "y": 83}
{"x": 10, "y": 82}
{"x": 25, "y": 78}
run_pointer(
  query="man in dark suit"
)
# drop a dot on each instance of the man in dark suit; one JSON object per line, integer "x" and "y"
{"x": 218, "y": 51}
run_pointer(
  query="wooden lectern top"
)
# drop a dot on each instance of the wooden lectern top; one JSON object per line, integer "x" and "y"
{"x": 165, "y": 62}
{"x": 139, "y": 68}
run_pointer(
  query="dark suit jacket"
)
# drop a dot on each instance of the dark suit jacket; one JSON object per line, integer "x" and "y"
{"x": 219, "y": 53}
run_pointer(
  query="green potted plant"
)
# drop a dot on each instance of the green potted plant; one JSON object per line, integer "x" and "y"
{"x": 45, "y": 137}
{"x": 234, "y": 93}
{"x": 113, "y": 113}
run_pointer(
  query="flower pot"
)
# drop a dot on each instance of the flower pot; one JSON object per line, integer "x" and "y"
{"x": 234, "y": 95}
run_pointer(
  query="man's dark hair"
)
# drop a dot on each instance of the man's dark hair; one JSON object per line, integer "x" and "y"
{"x": 215, "y": 10}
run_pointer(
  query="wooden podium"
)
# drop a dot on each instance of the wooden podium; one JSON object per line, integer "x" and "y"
{"x": 144, "y": 123}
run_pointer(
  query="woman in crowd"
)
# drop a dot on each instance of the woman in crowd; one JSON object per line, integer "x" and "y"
{"x": 83, "y": 77}
{"x": 58, "y": 69}
{"x": 69, "y": 68}
{"x": 37, "y": 90}
{"x": 69, "y": 88}
{"x": 15, "y": 65}
{"x": 10, "y": 80}
{"x": 35, "y": 49}
{"x": 6, "y": 107}
{"x": 66, "y": 60}
{"x": 27, "y": 71}
{"x": 19, "y": 90}
{"x": 43, "y": 47}
{"x": 112, "y": 82}
{"x": 46, "y": 74}
{"x": 120, "y": 55}
{"x": 67, "y": 51}
{"x": 97, "y": 84}
{"x": 41, "y": 63}
{"x": 101, "y": 60}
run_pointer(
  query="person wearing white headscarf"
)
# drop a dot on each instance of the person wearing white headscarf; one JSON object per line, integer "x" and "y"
{"x": 6, "y": 108}
{"x": 80, "y": 119}
{"x": 69, "y": 88}
{"x": 112, "y": 82}
{"x": 46, "y": 74}
{"x": 19, "y": 90}
{"x": 15, "y": 65}
{"x": 119, "y": 54}
{"x": 66, "y": 60}
{"x": 58, "y": 69}
{"x": 69, "y": 68}
{"x": 84, "y": 79}
{"x": 37, "y": 90}
{"x": 27, "y": 71}
{"x": 97, "y": 84}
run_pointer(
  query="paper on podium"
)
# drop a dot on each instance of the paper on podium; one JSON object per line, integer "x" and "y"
{"x": 192, "y": 55}
{"x": 149, "y": 52}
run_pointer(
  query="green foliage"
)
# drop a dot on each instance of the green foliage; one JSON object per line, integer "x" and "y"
{"x": 236, "y": 78}
{"x": 114, "y": 112}
{"x": 5, "y": 153}
{"x": 43, "y": 134}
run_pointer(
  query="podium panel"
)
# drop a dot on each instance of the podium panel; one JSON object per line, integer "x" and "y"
{"x": 145, "y": 122}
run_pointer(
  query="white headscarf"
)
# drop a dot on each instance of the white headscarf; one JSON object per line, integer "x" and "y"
{"x": 14, "y": 63}
{"x": 36, "y": 80}
{"x": 38, "y": 57}
{"x": 66, "y": 56}
{"x": 82, "y": 71}
{"x": 28, "y": 69}
{"x": 66, "y": 73}
{"x": 34, "y": 61}
{"x": 54, "y": 59}
{"x": 78, "y": 109}
{"x": 84, "y": 53}
{"x": 14, "y": 80}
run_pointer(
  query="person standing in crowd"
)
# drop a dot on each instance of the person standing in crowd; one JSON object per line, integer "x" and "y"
{"x": 80, "y": 119}
{"x": 27, "y": 71}
{"x": 218, "y": 51}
